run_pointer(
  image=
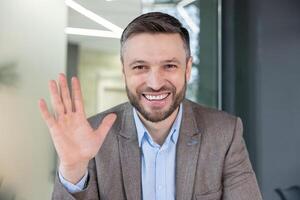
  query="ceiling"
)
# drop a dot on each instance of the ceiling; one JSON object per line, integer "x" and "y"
{"x": 118, "y": 12}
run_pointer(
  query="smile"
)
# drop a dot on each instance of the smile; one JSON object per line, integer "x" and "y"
{"x": 159, "y": 97}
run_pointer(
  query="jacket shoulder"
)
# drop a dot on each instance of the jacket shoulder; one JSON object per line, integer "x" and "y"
{"x": 210, "y": 114}
{"x": 217, "y": 123}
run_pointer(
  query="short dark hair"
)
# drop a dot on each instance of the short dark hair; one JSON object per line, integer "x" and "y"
{"x": 156, "y": 22}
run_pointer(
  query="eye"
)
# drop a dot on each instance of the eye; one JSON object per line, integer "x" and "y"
{"x": 139, "y": 67}
{"x": 170, "y": 66}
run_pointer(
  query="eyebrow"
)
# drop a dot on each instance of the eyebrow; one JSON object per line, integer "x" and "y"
{"x": 135, "y": 62}
{"x": 172, "y": 60}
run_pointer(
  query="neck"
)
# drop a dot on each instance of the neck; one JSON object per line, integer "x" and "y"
{"x": 159, "y": 130}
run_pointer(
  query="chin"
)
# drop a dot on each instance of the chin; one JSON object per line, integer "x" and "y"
{"x": 158, "y": 115}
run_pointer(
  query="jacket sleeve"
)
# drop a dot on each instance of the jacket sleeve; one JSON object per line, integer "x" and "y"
{"x": 239, "y": 180}
{"x": 89, "y": 193}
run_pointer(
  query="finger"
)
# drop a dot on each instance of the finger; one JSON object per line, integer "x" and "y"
{"x": 47, "y": 117}
{"x": 105, "y": 125}
{"x": 77, "y": 95}
{"x": 65, "y": 93}
{"x": 56, "y": 99}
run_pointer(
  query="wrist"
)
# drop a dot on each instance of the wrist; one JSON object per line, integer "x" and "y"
{"x": 74, "y": 173}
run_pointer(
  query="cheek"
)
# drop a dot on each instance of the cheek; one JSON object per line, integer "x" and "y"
{"x": 133, "y": 82}
{"x": 178, "y": 81}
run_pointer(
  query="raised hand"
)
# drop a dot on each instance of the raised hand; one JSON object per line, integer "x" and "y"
{"x": 74, "y": 139}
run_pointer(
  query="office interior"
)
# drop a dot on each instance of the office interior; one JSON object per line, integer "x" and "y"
{"x": 246, "y": 62}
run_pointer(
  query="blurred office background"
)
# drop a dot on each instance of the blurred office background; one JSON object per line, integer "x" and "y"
{"x": 246, "y": 62}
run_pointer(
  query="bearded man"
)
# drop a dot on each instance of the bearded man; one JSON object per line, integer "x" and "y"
{"x": 159, "y": 146}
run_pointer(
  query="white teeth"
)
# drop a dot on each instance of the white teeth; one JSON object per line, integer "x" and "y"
{"x": 156, "y": 97}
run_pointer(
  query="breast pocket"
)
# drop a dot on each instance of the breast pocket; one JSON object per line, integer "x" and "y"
{"x": 210, "y": 196}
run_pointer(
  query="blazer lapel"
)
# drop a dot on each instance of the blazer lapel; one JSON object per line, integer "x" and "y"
{"x": 130, "y": 156}
{"x": 188, "y": 147}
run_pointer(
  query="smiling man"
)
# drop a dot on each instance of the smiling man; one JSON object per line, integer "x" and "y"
{"x": 159, "y": 146}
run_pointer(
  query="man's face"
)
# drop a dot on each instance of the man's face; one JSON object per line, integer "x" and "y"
{"x": 156, "y": 71}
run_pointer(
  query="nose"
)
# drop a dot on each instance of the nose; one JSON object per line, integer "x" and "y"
{"x": 155, "y": 79}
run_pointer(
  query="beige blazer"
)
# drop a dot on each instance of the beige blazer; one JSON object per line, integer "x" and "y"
{"x": 212, "y": 161}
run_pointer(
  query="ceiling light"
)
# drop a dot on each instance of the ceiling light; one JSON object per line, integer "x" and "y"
{"x": 115, "y": 31}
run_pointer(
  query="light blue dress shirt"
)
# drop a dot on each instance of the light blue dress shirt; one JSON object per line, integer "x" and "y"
{"x": 157, "y": 163}
{"x": 70, "y": 186}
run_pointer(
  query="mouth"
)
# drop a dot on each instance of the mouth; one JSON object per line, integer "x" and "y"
{"x": 156, "y": 97}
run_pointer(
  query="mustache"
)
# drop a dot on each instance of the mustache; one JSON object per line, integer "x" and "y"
{"x": 162, "y": 89}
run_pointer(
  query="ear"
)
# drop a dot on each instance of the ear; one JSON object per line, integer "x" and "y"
{"x": 122, "y": 64}
{"x": 123, "y": 72}
{"x": 188, "y": 68}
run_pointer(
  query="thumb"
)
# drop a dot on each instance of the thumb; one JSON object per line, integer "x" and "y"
{"x": 105, "y": 126}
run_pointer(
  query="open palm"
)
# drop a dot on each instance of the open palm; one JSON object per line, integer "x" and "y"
{"x": 75, "y": 141}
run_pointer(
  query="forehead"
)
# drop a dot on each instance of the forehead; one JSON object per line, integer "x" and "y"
{"x": 154, "y": 47}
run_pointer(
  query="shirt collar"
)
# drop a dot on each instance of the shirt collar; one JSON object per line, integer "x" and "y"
{"x": 142, "y": 131}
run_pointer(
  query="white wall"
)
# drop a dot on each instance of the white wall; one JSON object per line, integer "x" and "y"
{"x": 32, "y": 36}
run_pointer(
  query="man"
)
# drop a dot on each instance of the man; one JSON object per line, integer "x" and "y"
{"x": 160, "y": 145}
